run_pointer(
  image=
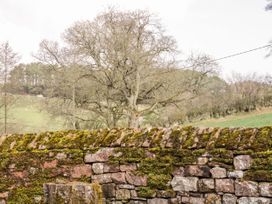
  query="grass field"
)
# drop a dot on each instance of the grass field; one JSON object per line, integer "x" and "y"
{"x": 254, "y": 119}
{"x": 28, "y": 115}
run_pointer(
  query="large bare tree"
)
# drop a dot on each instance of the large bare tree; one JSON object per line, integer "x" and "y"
{"x": 8, "y": 58}
{"x": 132, "y": 65}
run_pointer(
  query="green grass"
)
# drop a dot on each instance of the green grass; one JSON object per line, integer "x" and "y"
{"x": 27, "y": 114}
{"x": 254, "y": 119}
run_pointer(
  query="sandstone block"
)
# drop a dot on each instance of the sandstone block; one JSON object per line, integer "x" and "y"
{"x": 157, "y": 201}
{"x": 254, "y": 200}
{"x": 218, "y": 172}
{"x": 81, "y": 170}
{"x": 102, "y": 178}
{"x": 246, "y": 188}
{"x": 265, "y": 189}
{"x": 236, "y": 174}
{"x": 224, "y": 185}
{"x": 242, "y": 162}
{"x": 128, "y": 167}
{"x": 213, "y": 198}
{"x": 184, "y": 184}
{"x": 206, "y": 185}
{"x": 135, "y": 179}
{"x": 122, "y": 194}
{"x": 98, "y": 168}
{"x": 118, "y": 178}
{"x": 102, "y": 155}
{"x": 229, "y": 199}
{"x": 196, "y": 170}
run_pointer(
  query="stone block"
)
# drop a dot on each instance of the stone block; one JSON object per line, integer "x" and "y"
{"x": 206, "y": 185}
{"x": 108, "y": 190}
{"x": 157, "y": 201}
{"x": 118, "y": 178}
{"x": 196, "y": 170}
{"x": 254, "y": 200}
{"x": 102, "y": 155}
{"x": 213, "y": 198}
{"x": 102, "y": 178}
{"x": 135, "y": 179}
{"x": 224, "y": 185}
{"x": 184, "y": 184}
{"x": 122, "y": 194}
{"x": 80, "y": 171}
{"x": 246, "y": 188}
{"x": 229, "y": 199}
{"x": 98, "y": 168}
{"x": 236, "y": 174}
{"x": 218, "y": 172}
{"x": 265, "y": 189}
{"x": 242, "y": 162}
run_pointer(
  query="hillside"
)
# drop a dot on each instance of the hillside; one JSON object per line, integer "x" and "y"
{"x": 254, "y": 119}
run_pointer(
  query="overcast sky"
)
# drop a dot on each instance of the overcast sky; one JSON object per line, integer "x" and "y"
{"x": 214, "y": 27}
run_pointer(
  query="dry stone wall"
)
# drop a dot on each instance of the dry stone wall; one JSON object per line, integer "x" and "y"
{"x": 147, "y": 166}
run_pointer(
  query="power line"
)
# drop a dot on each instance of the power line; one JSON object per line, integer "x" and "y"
{"x": 234, "y": 55}
{"x": 225, "y": 57}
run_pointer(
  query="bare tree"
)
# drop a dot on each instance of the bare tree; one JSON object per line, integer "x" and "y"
{"x": 132, "y": 65}
{"x": 8, "y": 59}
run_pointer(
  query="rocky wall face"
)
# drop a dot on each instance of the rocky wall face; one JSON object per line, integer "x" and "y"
{"x": 141, "y": 166}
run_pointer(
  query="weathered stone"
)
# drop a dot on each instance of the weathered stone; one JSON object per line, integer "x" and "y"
{"x": 157, "y": 201}
{"x": 212, "y": 198}
{"x": 184, "y": 184}
{"x": 218, "y": 172}
{"x": 206, "y": 185}
{"x": 176, "y": 200}
{"x": 224, "y": 185}
{"x": 98, "y": 168}
{"x": 236, "y": 174}
{"x": 229, "y": 199}
{"x": 265, "y": 189}
{"x": 254, "y": 200}
{"x": 102, "y": 155}
{"x": 50, "y": 164}
{"x": 108, "y": 190}
{"x": 137, "y": 202}
{"x": 135, "y": 179}
{"x": 102, "y": 178}
{"x": 122, "y": 194}
{"x": 196, "y": 170}
{"x": 111, "y": 168}
{"x": 246, "y": 188}
{"x": 126, "y": 186}
{"x": 83, "y": 170}
{"x": 72, "y": 193}
{"x": 133, "y": 194}
{"x": 193, "y": 200}
{"x": 61, "y": 156}
{"x": 202, "y": 160}
{"x": 242, "y": 162}
{"x": 118, "y": 178}
{"x": 128, "y": 167}
{"x": 179, "y": 171}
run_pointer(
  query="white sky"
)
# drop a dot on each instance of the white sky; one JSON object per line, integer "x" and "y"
{"x": 214, "y": 27}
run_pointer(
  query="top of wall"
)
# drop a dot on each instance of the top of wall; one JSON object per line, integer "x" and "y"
{"x": 255, "y": 139}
